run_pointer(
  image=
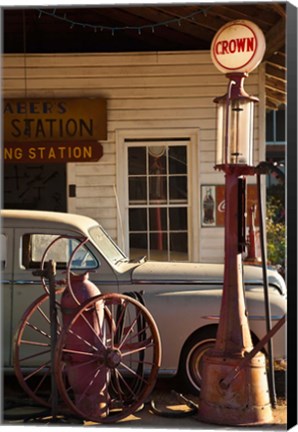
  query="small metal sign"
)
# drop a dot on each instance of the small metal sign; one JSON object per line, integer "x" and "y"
{"x": 213, "y": 205}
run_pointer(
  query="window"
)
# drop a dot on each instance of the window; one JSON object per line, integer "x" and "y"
{"x": 34, "y": 246}
{"x": 3, "y": 251}
{"x": 158, "y": 201}
{"x": 276, "y": 127}
{"x": 275, "y": 145}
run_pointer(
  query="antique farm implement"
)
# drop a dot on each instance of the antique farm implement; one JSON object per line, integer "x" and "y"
{"x": 98, "y": 353}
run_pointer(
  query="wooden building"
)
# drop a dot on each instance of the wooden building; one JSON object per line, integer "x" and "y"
{"x": 154, "y": 181}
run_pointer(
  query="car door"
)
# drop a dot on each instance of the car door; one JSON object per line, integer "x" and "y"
{"x": 6, "y": 258}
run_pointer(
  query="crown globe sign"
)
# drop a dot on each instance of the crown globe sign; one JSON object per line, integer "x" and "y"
{"x": 238, "y": 46}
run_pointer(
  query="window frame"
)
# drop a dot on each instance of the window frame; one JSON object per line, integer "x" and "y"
{"x": 275, "y": 141}
{"x": 190, "y": 138}
{"x": 167, "y": 203}
{"x": 4, "y": 251}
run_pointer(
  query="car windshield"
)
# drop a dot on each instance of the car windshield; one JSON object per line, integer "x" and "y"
{"x": 106, "y": 245}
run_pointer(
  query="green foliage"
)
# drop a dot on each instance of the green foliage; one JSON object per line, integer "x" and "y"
{"x": 275, "y": 226}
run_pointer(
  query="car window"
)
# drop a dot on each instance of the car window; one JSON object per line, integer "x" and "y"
{"x": 106, "y": 245}
{"x": 3, "y": 251}
{"x": 34, "y": 246}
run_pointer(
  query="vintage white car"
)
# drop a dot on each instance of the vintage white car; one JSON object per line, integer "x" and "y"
{"x": 183, "y": 298}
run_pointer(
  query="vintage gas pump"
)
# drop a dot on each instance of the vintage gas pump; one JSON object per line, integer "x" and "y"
{"x": 237, "y": 48}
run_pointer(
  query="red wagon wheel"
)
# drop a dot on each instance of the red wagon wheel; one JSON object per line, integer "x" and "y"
{"x": 107, "y": 358}
{"x": 32, "y": 349}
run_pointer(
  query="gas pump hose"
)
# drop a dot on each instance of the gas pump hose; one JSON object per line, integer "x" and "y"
{"x": 176, "y": 413}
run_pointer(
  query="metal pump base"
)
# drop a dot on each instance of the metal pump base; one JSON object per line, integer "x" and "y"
{"x": 245, "y": 401}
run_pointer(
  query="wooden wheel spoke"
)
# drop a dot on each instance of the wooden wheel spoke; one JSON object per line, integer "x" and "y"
{"x": 112, "y": 332}
{"x": 32, "y": 349}
{"x": 83, "y": 363}
{"x": 134, "y": 373}
{"x": 129, "y": 388}
{"x": 129, "y": 330}
{"x": 37, "y": 370}
{"x": 137, "y": 347}
{"x": 141, "y": 333}
{"x": 42, "y": 380}
{"x": 89, "y": 385}
{"x": 82, "y": 339}
{"x": 73, "y": 351}
{"x": 38, "y": 330}
{"x": 33, "y": 343}
{"x": 143, "y": 362}
{"x": 43, "y": 314}
{"x": 120, "y": 318}
{"x": 116, "y": 382}
{"x": 29, "y": 357}
{"x": 92, "y": 329}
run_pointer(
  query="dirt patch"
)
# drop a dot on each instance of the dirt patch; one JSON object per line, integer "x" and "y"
{"x": 165, "y": 395}
{"x": 166, "y": 399}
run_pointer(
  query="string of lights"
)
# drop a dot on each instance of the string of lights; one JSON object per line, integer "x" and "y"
{"x": 114, "y": 29}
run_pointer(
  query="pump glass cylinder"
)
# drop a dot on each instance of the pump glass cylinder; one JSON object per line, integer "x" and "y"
{"x": 235, "y": 131}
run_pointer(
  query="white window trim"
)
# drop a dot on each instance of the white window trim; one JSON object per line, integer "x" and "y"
{"x": 193, "y": 181}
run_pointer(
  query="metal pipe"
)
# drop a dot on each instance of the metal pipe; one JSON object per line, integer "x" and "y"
{"x": 271, "y": 378}
{"x": 228, "y": 102}
{"x": 51, "y": 273}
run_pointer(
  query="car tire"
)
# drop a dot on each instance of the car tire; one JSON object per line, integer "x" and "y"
{"x": 190, "y": 365}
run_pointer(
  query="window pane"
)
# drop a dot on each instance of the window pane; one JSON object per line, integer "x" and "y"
{"x": 61, "y": 251}
{"x": 280, "y": 125}
{"x": 158, "y": 189}
{"x": 178, "y": 219}
{"x": 3, "y": 251}
{"x": 178, "y": 188}
{"x": 157, "y": 164}
{"x": 138, "y": 245}
{"x": 138, "y": 219}
{"x": 177, "y": 160}
{"x": 137, "y": 190}
{"x": 158, "y": 246}
{"x": 136, "y": 160}
{"x": 269, "y": 126}
{"x": 178, "y": 245}
{"x": 158, "y": 219}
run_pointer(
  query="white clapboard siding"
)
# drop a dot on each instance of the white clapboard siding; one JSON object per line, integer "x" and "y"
{"x": 212, "y": 243}
{"x": 157, "y": 91}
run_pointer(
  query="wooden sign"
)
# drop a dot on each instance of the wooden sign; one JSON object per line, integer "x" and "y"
{"x": 52, "y": 152}
{"x": 61, "y": 119}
